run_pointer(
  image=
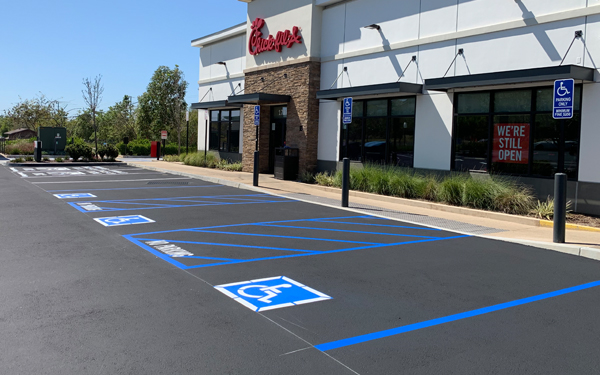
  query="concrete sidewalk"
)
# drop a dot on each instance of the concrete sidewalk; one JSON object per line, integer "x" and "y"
{"x": 511, "y": 228}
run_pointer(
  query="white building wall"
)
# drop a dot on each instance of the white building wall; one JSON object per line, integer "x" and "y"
{"x": 329, "y": 131}
{"x": 433, "y": 131}
{"x": 589, "y": 152}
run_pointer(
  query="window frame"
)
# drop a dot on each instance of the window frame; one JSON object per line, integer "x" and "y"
{"x": 219, "y": 124}
{"x": 532, "y": 113}
{"x": 344, "y": 132}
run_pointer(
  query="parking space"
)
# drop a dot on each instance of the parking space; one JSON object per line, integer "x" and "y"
{"x": 371, "y": 294}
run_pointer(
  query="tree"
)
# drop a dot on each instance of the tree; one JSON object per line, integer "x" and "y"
{"x": 32, "y": 113}
{"x": 5, "y": 125}
{"x": 163, "y": 104}
{"x": 120, "y": 120}
{"x": 92, "y": 95}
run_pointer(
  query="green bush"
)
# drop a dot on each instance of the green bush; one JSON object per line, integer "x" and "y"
{"x": 29, "y": 158}
{"x": 460, "y": 189}
{"x": 59, "y": 160}
{"x": 122, "y": 147}
{"x": 80, "y": 150}
{"x": 139, "y": 147}
{"x": 108, "y": 151}
{"x": 46, "y": 159}
{"x": 197, "y": 159}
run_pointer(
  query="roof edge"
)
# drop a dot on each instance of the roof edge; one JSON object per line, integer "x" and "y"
{"x": 219, "y": 35}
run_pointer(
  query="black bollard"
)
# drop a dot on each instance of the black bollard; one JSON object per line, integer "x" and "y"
{"x": 255, "y": 182}
{"x": 560, "y": 207}
{"x": 345, "y": 182}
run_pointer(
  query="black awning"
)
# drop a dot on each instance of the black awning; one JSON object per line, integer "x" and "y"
{"x": 384, "y": 88}
{"x": 220, "y": 104}
{"x": 258, "y": 98}
{"x": 512, "y": 76}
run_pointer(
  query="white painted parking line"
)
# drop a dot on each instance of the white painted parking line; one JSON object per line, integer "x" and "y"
{"x": 82, "y": 182}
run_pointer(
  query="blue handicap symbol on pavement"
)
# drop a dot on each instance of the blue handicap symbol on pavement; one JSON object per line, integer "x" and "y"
{"x": 271, "y": 293}
{"x": 123, "y": 220}
{"x": 80, "y": 195}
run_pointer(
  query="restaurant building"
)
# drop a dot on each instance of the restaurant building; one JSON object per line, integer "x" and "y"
{"x": 437, "y": 85}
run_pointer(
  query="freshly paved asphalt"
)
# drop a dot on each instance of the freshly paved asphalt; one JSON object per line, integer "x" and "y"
{"x": 81, "y": 298}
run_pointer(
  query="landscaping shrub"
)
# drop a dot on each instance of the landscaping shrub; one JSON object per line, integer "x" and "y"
{"x": 29, "y": 158}
{"x": 139, "y": 147}
{"x": 460, "y": 189}
{"x": 212, "y": 161}
{"x": 59, "y": 160}
{"x": 122, "y": 147}
{"x": 79, "y": 150}
{"x": 108, "y": 151}
{"x": 17, "y": 160}
{"x": 46, "y": 159}
{"x": 19, "y": 147}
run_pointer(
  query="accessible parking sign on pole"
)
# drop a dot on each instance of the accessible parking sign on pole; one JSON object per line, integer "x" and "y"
{"x": 564, "y": 92}
{"x": 347, "y": 114}
{"x": 256, "y": 115}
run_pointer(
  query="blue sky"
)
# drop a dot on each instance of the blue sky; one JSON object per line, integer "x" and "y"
{"x": 50, "y": 46}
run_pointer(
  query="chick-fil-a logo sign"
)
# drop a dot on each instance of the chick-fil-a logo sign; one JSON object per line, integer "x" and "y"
{"x": 256, "y": 44}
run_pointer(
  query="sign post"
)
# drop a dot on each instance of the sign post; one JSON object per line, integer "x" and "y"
{"x": 163, "y": 137}
{"x": 256, "y": 155}
{"x": 564, "y": 93}
{"x": 347, "y": 111}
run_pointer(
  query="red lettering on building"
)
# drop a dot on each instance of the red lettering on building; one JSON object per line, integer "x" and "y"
{"x": 256, "y": 44}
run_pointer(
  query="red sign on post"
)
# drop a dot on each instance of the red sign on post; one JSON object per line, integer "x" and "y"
{"x": 256, "y": 44}
{"x": 163, "y": 134}
{"x": 511, "y": 143}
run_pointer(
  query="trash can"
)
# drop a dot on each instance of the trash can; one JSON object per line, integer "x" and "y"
{"x": 286, "y": 163}
{"x": 155, "y": 149}
{"x": 37, "y": 151}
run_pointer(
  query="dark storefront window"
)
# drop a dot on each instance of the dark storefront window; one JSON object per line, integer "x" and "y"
{"x": 225, "y": 130}
{"x": 382, "y": 131}
{"x": 513, "y": 132}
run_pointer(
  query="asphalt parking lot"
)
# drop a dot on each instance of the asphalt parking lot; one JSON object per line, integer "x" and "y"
{"x": 123, "y": 270}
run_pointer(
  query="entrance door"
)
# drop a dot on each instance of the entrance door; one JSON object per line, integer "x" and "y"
{"x": 277, "y": 134}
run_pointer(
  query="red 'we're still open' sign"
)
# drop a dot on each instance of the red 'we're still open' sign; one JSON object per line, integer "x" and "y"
{"x": 511, "y": 143}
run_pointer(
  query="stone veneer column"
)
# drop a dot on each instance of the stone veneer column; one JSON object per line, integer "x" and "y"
{"x": 302, "y": 125}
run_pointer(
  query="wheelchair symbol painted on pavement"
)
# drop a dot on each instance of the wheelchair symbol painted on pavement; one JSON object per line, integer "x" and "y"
{"x": 271, "y": 293}
{"x": 562, "y": 90}
{"x": 123, "y": 220}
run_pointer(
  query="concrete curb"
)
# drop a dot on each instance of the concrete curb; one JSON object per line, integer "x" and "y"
{"x": 550, "y": 224}
{"x": 214, "y": 180}
{"x": 582, "y": 251}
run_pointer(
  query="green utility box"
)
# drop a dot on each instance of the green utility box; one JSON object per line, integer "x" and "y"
{"x": 54, "y": 140}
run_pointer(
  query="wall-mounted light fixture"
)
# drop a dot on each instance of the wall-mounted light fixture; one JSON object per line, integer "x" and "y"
{"x": 578, "y": 34}
{"x": 373, "y": 26}
{"x": 222, "y": 63}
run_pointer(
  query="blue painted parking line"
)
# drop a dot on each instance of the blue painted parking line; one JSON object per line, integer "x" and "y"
{"x": 452, "y": 318}
{"x": 175, "y": 202}
{"x": 166, "y": 243}
{"x": 378, "y": 225}
{"x": 342, "y": 230}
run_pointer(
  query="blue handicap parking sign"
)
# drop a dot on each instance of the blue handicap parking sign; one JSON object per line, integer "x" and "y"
{"x": 80, "y": 195}
{"x": 123, "y": 220}
{"x": 271, "y": 293}
{"x": 256, "y": 115}
{"x": 564, "y": 92}
{"x": 347, "y": 111}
